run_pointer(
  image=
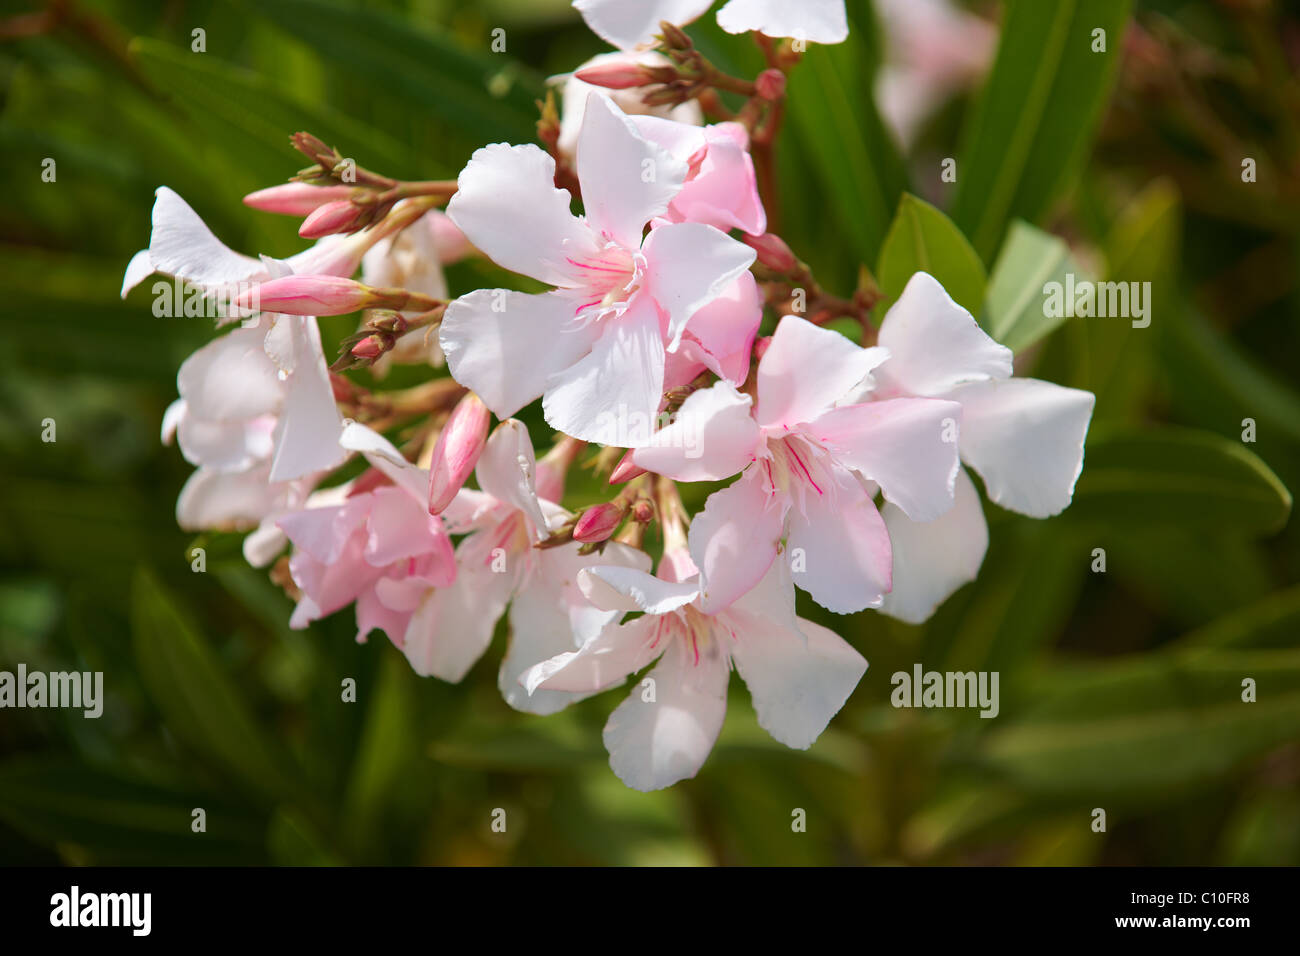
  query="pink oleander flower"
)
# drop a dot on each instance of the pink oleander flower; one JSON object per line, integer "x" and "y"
{"x": 181, "y": 246}
{"x": 497, "y": 566}
{"x": 595, "y": 347}
{"x": 1024, "y": 437}
{"x": 573, "y": 99}
{"x": 721, "y": 189}
{"x": 380, "y": 549}
{"x": 632, "y": 24}
{"x": 254, "y": 401}
{"x": 798, "y": 673}
{"x": 812, "y": 460}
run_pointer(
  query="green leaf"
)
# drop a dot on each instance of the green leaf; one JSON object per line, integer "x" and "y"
{"x": 200, "y": 703}
{"x": 248, "y": 118}
{"x": 1273, "y": 621}
{"x": 1178, "y": 476}
{"x": 482, "y": 96}
{"x": 1035, "y": 119}
{"x": 1015, "y": 310}
{"x": 834, "y": 124}
{"x": 117, "y": 819}
{"x": 1157, "y": 723}
{"x": 923, "y": 239}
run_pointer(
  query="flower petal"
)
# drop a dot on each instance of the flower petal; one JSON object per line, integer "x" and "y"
{"x": 507, "y": 205}
{"x": 816, "y": 21}
{"x": 934, "y": 344}
{"x": 688, "y": 265}
{"x": 628, "y": 25}
{"x": 1025, "y": 438}
{"x": 507, "y": 471}
{"x": 626, "y": 180}
{"x": 798, "y": 679}
{"x": 806, "y": 370}
{"x": 908, "y": 446}
{"x": 712, "y": 436}
{"x": 839, "y": 548}
{"x": 653, "y": 744}
{"x": 934, "y": 559}
{"x": 182, "y": 245}
{"x": 454, "y": 625}
{"x": 734, "y": 540}
{"x": 308, "y": 431}
{"x": 506, "y": 345}
{"x": 550, "y": 616}
{"x": 605, "y": 660}
{"x": 612, "y": 395}
{"x": 632, "y": 589}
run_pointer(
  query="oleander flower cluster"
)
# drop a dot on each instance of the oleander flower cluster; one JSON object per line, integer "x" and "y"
{"x": 669, "y": 340}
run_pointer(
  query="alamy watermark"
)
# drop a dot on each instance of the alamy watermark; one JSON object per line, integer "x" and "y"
{"x": 946, "y": 689}
{"x": 1085, "y": 298}
{"x": 79, "y": 690}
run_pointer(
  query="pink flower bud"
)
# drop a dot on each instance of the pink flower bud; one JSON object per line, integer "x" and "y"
{"x": 625, "y": 470}
{"x": 770, "y": 84}
{"x": 331, "y": 218}
{"x": 307, "y": 295}
{"x": 295, "y": 199}
{"x": 760, "y": 346}
{"x": 598, "y": 523}
{"x": 772, "y": 251}
{"x": 457, "y": 451}
{"x": 369, "y": 348}
{"x": 615, "y": 75}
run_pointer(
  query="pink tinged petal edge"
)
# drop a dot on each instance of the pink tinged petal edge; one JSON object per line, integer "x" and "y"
{"x": 735, "y": 539}
{"x": 626, "y": 180}
{"x": 839, "y": 548}
{"x": 934, "y": 559}
{"x": 688, "y": 266}
{"x": 453, "y": 626}
{"x": 806, "y": 370}
{"x": 934, "y": 344}
{"x": 653, "y": 745}
{"x": 908, "y": 446}
{"x": 798, "y": 679}
{"x": 1026, "y": 440}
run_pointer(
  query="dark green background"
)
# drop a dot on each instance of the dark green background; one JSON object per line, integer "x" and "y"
{"x": 1119, "y": 690}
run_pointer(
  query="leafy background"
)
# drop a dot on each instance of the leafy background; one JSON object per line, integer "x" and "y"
{"x": 1119, "y": 690}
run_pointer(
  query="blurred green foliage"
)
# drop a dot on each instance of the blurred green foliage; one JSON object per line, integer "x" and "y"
{"x": 1120, "y": 690}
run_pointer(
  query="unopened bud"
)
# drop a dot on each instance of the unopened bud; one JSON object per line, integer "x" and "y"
{"x": 772, "y": 251}
{"x": 598, "y": 523}
{"x": 341, "y": 215}
{"x": 625, "y": 470}
{"x": 307, "y": 295}
{"x": 457, "y": 451}
{"x": 760, "y": 346}
{"x": 295, "y": 199}
{"x": 369, "y": 348}
{"x": 770, "y": 84}
{"x": 614, "y": 75}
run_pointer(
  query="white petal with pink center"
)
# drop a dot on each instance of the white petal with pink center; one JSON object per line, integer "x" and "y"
{"x": 799, "y": 674}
